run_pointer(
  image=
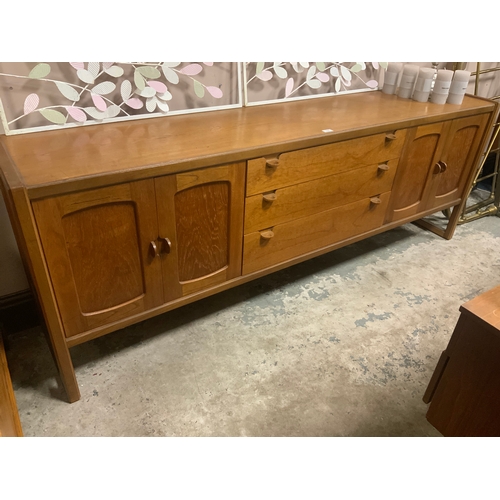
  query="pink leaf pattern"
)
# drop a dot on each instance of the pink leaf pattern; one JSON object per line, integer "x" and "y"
{"x": 191, "y": 69}
{"x": 77, "y": 114}
{"x": 265, "y": 76}
{"x": 215, "y": 92}
{"x": 135, "y": 103}
{"x": 30, "y": 103}
{"x": 289, "y": 87}
{"x": 322, "y": 77}
{"x": 77, "y": 65}
{"x": 107, "y": 65}
{"x": 158, "y": 86}
{"x": 208, "y": 64}
{"x": 373, "y": 84}
{"x": 99, "y": 102}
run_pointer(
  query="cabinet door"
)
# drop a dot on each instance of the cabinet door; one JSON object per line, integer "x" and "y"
{"x": 457, "y": 159}
{"x": 98, "y": 246}
{"x": 200, "y": 216}
{"x": 417, "y": 170}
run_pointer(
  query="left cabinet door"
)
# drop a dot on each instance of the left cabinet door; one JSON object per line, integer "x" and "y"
{"x": 101, "y": 252}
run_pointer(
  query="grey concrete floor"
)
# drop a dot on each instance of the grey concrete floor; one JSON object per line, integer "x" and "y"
{"x": 343, "y": 345}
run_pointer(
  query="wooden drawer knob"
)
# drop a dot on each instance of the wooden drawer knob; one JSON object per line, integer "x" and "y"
{"x": 267, "y": 234}
{"x": 153, "y": 249}
{"x": 444, "y": 166}
{"x": 270, "y": 196}
{"x": 166, "y": 245}
{"x": 390, "y": 137}
{"x": 272, "y": 162}
{"x": 383, "y": 167}
{"x": 375, "y": 200}
{"x": 437, "y": 168}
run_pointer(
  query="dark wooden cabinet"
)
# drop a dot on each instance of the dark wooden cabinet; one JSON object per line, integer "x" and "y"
{"x": 169, "y": 210}
{"x": 464, "y": 391}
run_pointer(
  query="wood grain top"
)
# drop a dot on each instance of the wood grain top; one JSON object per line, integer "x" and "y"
{"x": 485, "y": 307}
{"x": 56, "y": 161}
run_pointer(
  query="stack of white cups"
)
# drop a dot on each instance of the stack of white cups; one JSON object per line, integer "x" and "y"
{"x": 416, "y": 83}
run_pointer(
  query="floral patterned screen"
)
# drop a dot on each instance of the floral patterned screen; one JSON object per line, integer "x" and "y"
{"x": 40, "y": 96}
{"x": 35, "y": 95}
{"x": 275, "y": 81}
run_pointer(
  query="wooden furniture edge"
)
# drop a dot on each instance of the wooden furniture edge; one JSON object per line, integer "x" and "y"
{"x": 467, "y": 319}
{"x": 18, "y": 430}
{"x": 436, "y": 377}
{"x": 24, "y": 227}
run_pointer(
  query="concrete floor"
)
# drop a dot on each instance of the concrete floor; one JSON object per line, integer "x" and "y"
{"x": 343, "y": 345}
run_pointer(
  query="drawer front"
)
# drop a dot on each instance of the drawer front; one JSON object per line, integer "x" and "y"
{"x": 311, "y": 233}
{"x": 312, "y": 163}
{"x": 286, "y": 204}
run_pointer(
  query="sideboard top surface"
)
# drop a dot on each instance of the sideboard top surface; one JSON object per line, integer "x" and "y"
{"x": 57, "y": 161}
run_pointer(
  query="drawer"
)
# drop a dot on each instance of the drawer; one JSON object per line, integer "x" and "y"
{"x": 312, "y": 163}
{"x": 300, "y": 200}
{"x": 311, "y": 233}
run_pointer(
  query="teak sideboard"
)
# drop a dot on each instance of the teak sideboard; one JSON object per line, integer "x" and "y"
{"x": 119, "y": 222}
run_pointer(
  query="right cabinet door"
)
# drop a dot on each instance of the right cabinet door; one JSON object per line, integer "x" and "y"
{"x": 435, "y": 166}
{"x": 417, "y": 170}
{"x": 457, "y": 159}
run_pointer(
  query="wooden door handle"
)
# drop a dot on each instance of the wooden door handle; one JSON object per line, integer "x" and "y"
{"x": 383, "y": 167}
{"x": 375, "y": 200}
{"x": 267, "y": 234}
{"x": 444, "y": 166}
{"x": 166, "y": 245}
{"x": 437, "y": 168}
{"x": 270, "y": 196}
{"x": 390, "y": 137}
{"x": 153, "y": 249}
{"x": 272, "y": 162}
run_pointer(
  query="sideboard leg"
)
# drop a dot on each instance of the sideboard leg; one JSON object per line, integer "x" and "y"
{"x": 446, "y": 233}
{"x": 62, "y": 358}
{"x": 67, "y": 373}
{"x": 453, "y": 221}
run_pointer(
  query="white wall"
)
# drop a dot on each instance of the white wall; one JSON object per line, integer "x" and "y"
{"x": 12, "y": 276}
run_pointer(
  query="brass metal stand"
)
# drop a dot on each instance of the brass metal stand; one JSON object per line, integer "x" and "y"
{"x": 491, "y": 204}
